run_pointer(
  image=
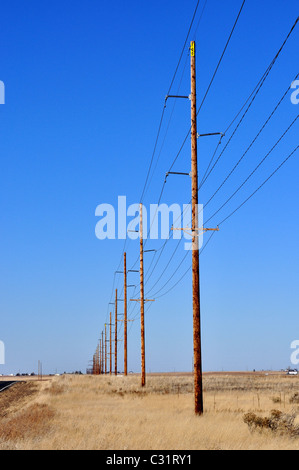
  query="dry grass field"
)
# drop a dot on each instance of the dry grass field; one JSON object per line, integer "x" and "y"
{"x": 115, "y": 413}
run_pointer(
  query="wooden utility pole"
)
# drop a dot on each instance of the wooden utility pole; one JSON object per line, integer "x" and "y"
{"x": 105, "y": 349}
{"x": 110, "y": 325}
{"x": 125, "y": 318}
{"x": 102, "y": 352}
{"x": 195, "y": 251}
{"x": 40, "y": 371}
{"x": 99, "y": 355}
{"x": 115, "y": 327}
{"x": 142, "y": 302}
{"x": 96, "y": 363}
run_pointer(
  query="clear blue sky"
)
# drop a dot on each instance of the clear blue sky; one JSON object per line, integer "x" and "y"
{"x": 85, "y": 86}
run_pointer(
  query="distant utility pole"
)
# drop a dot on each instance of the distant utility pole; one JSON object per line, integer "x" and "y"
{"x": 105, "y": 349}
{"x": 40, "y": 371}
{"x": 110, "y": 345}
{"x": 142, "y": 300}
{"x": 195, "y": 252}
{"x": 102, "y": 352}
{"x": 99, "y": 358}
{"x": 125, "y": 318}
{"x": 115, "y": 327}
{"x": 96, "y": 362}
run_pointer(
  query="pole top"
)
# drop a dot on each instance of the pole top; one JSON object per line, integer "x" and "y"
{"x": 192, "y": 49}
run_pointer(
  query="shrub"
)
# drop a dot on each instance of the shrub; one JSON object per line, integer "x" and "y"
{"x": 277, "y": 422}
{"x": 295, "y": 398}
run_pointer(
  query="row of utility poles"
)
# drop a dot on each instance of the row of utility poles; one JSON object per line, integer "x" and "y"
{"x": 100, "y": 357}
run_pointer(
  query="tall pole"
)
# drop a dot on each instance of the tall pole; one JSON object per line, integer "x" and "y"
{"x": 99, "y": 358}
{"x": 99, "y": 364}
{"x": 105, "y": 349}
{"x": 195, "y": 251}
{"x": 142, "y": 302}
{"x": 125, "y": 318}
{"x": 110, "y": 344}
{"x": 102, "y": 352}
{"x": 115, "y": 327}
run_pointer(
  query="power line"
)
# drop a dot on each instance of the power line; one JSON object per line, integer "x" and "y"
{"x": 155, "y": 295}
{"x": 178, "y": 244}
{"x": 222, "y": 55}
{"x": 250, "y": 146}
{"x": 214, "y": 75}
{"x": 174, "y": 273}
{"x": 164, "y": 107}
{"x": 183, "y": 50}
{"x": 254, "y": 171}
{"x": 223, "y": 221}
{"x": 253, "y": 95}
{"x": 263, "y": 127}
{"x": 211, "y": 82}
{"x": 187, "y": 136}
{"x": 185, "y": 273}
{"x": 260, "y": 187}
{"x": 207, "y": 173}
{"x": 153, "y": 155}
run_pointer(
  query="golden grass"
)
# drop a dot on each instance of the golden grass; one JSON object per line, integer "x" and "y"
{"x": 15, "y": 397}
{"x": 115, "y": 413}
{"x": 28, "y": 423}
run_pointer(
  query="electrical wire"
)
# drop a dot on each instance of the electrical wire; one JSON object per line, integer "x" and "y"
{"x": 254, "y": 171}
{"x": 164, "y": 106}
{"x": 210, "y": 84}
{"x": 254, "y": 94}
{"x": 260, "y": 187}
{"x": 250, "y": 146}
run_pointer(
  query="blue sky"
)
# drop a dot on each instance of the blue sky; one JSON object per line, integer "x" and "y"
{"x": 85, "y": 86}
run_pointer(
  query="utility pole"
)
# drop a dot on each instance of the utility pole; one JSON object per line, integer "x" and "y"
{"x": 195, "y": 251}
{"x": 195, "y": 231}
{"x": 110, "y": 325}
{"x": 142, "y": 302}
{"x": 125, "y": 318}
{"x": 40, "y": 371}
{"x": 96, "y": 362}
{"x": 99, "y": 358}
{"x": 115, "y": 327}
{"x": 102, "y": 352}
{"x": 105, "y": 349}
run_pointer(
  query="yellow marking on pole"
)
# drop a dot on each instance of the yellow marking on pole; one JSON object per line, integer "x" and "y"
{"x": 192, "y": 49}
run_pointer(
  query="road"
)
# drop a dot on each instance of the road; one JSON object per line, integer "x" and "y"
{"x": 4, "y": 385}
